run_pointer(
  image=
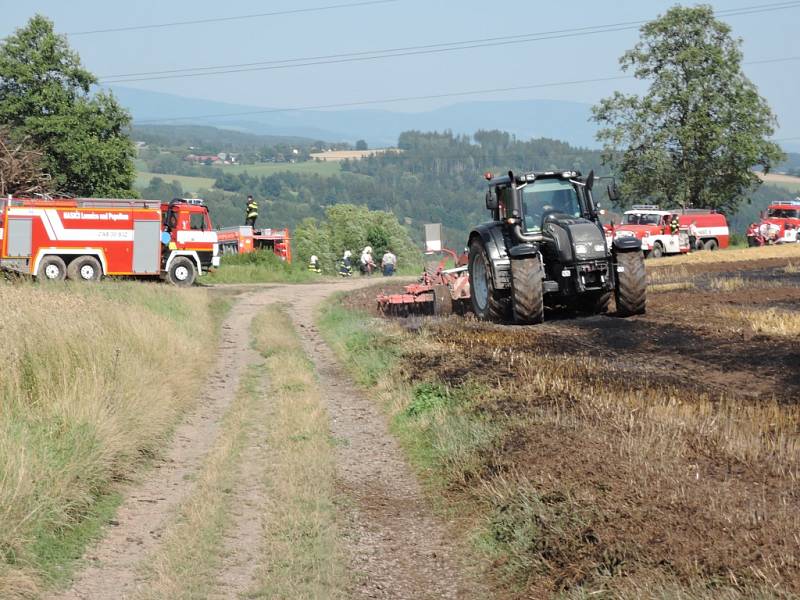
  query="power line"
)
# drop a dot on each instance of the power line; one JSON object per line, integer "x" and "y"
{"x": 234, "y": 18}
{"x": 411, "y": 50}
{"x": 425, "y": 97}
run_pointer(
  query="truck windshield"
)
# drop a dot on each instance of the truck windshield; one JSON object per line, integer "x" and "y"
{"x": 548, "y": 196}
{"x": 784, "y": 213}
{"x": 640, "y": 219}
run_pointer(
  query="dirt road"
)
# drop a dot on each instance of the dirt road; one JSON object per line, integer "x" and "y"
{"x": 397, "y": 547}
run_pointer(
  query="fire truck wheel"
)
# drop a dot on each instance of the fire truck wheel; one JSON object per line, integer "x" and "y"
{"x": 182, "y": 272}
{"x": 658, "y": 250}
{"x": 84, "y": 268}
{"x": 710, "y": 244}
{"x": 52, "y": 268}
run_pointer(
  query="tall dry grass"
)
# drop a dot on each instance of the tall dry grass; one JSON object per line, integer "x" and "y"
{"x": 92, "y": 380}
{"x": 728, "y": 255}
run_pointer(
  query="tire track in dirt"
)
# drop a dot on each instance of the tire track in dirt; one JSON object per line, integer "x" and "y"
{"x": 398, "y": 548}
{"x": 151, "y": 503}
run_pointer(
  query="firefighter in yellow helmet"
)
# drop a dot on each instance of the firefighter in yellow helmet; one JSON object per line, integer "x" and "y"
{"x": 251, "y": 212}
{"x": 674, "y": 225}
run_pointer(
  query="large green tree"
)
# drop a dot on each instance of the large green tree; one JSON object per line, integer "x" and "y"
{"x": 695, "y": 136}
{"x": 45, "y": 97}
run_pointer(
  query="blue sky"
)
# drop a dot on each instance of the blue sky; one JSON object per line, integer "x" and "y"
{"x": 396, "y": 24}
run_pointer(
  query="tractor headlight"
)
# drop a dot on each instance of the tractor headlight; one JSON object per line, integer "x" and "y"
{"x": 581, "y": 249}
{"x": 599, "y": 247}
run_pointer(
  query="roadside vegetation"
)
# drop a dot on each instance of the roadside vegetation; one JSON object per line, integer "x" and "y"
{"x": 600, "y": 458}
{"x": 94, "y": 378}
{"x": 260, "y": 267}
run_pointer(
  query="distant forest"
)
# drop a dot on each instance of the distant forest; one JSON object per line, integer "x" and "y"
{"x": 435, "y": 177}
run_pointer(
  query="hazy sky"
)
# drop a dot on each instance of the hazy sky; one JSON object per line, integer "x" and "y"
{"x": 402, "y": 23}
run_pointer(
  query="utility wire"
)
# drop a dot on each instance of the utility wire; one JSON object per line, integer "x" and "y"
{"x": 411, "y": 50}
{"x": 235, "y": 18}
{"x": 425, "y": 97}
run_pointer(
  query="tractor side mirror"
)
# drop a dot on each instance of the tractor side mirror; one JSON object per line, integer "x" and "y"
{"x": 613, "y": 192}
{"x": 491, "y": 200}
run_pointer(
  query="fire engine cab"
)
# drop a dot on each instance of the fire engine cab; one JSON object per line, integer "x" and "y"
{"x": 652, "y": 226}
{"x": 85, "y": 239}
{"x": 781, "y": 224}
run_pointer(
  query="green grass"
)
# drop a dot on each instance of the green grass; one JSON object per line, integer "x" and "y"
{"x": 189, "y": 184}
{"x": 259, "y": 267}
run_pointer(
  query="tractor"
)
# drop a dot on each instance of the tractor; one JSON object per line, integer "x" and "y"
{"x": 545, "y": 246}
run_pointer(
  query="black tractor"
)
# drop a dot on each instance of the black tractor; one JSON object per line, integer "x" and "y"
{"x": 545, "y": 245}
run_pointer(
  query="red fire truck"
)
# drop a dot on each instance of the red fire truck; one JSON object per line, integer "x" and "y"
{"x": 781, "y": 223}
{"x": 244, "y": 239}
{"x": 85, "y": 239}
{"x": 653, "y": 227}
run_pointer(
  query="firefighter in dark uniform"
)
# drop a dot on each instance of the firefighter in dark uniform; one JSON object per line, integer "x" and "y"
{"x": 251, "y": 212}
{"x": 674, "y": 225}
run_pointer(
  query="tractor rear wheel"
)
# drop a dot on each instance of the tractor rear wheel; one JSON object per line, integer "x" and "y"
{"x": 84, "y": 268}
{"x": 442, "y": 301}
{"x": 631, "y": 290}
{"x": 527, "y": 290}
{"x": 487, "y": 303}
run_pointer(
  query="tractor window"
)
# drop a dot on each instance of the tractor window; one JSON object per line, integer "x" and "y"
{"x": 548, "y": 196}
{"x": 197, "y": 221}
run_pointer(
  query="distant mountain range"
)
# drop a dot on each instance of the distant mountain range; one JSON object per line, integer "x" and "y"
{"x": 561, "y": 120}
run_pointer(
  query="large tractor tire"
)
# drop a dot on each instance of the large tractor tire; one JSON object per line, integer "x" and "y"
{"x": 52, "y": 268}
{"x": 631, "y": 290}
{"x": 487, "y": 303}
{"x": 593, "y": 303}
{"x": 527, "y": 290}
{"x": 85, "y": 268}
{"x": 182, "y": 272}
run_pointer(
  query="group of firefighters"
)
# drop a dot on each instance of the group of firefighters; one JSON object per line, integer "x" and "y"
{"x": 366, "y": 263}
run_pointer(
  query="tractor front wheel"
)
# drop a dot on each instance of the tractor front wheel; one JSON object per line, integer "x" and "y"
{"x": 527, "y": 290}
{"x": 487, "y": 303}
{"x": 631, "y": 290}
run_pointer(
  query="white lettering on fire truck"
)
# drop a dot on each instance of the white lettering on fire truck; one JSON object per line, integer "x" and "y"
{"x": 92, "y": 216}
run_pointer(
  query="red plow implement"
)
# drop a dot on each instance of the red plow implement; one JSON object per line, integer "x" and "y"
{"x": 440, "y": 293}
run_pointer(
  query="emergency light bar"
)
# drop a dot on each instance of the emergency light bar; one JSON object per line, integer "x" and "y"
{"x": 645, "y": 207}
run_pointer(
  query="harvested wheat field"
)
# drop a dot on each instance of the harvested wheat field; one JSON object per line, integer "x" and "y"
{"x": 656, "y": 456}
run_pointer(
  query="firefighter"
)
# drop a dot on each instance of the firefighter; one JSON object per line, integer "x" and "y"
{"x": 674, "y": 225}
{"x": 346, "y": 264}
{"x": 388, "y": 263}
{"x": 251, "y": 212}
{"x": 313, "y": 264}
{"x": 366, "y": 265}
{"x": 694, "y": 238}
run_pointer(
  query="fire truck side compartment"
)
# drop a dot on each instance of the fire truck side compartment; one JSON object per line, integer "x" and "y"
{"x": 19, "y": 237}
{"x": 146, "y": 247}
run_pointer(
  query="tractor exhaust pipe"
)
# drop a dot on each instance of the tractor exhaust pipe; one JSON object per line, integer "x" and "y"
{"x": 526, "y": 238}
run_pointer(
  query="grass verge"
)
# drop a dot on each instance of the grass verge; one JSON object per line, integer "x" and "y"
{"x": 88, "y": 393}
{"x": 302, "y": 556}
{"x": 259, "y": 267}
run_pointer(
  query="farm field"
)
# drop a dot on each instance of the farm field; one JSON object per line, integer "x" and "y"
{"x": 189, "y": 184}
{"x": 786, "y": 182}
{"x": 655, "y": 456}
{"x": 266, "y": 169}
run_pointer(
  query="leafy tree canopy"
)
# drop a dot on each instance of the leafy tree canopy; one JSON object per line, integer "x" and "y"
{"x": 694, "y": 138}
{"x": 45, "y": 98}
